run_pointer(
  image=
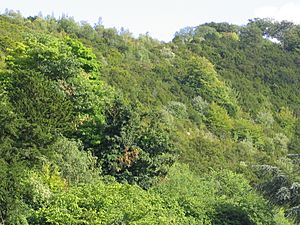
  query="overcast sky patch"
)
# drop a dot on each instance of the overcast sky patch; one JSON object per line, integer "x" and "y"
{"x": 289, "y": 11}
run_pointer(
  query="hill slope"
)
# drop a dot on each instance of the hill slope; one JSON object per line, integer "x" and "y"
{"x": 98, "y": 127}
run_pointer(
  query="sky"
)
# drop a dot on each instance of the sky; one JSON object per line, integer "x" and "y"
{"x": 160, "y": 18}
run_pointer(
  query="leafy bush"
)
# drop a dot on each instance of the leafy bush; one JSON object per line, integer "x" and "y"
{"x": 100, "y": 203}
{"x": 219, "y": 198}
{"x": 74, "y": 163}
{"x": 136, "y": 150}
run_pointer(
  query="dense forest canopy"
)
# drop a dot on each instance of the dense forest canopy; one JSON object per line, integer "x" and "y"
{"x": 99, "y": 127}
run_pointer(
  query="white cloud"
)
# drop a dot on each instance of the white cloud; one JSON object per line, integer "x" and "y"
{"x": 289, "y": 11}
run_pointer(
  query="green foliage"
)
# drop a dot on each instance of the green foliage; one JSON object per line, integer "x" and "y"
{"x": 287, "y": 121}
{"x": 12, "y": 208}
{"x": 231, "y": 35}
{"x": 177, "y": 109}
{"x": 219, "y": 97}
{"x": 41, "y": 106}
{"x": 54, "y": 58}
{"x": 74, "y": 164}
{"x": 84, "y": 55}
{"x": 280, "y": 218}
{"x": 195, "y": 195}
{"x": 38, "y": 187}
{"x": 228, "y": 214}
{"x": 281, "y": 187}
{"x": 68, "y": 25}
{"x": 8, "y": 121}
{"x": 114, "y": 203}
{"x": 248, "y": 130}
{"x": 265, "y": 118}
{"x": 134, "y": 149}
{"x": 46, "y": 55}
{"x": 251, "y": 36}
{"x": 89, "y": 97}
{"x": 291, "y": 39}
{"x": 200, "y": 105}
{"x": 220, "y": 198}
{"x": 203, "y": 80}
{"x": 219, "y": 120}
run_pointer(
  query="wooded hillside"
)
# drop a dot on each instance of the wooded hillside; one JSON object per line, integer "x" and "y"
{"x": 99, "y": 127}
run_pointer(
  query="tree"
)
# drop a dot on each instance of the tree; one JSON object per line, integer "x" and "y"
{"x": 43, "y": 109}
{"x": 291, "y": 39}
{"x": 132, "y": 150}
